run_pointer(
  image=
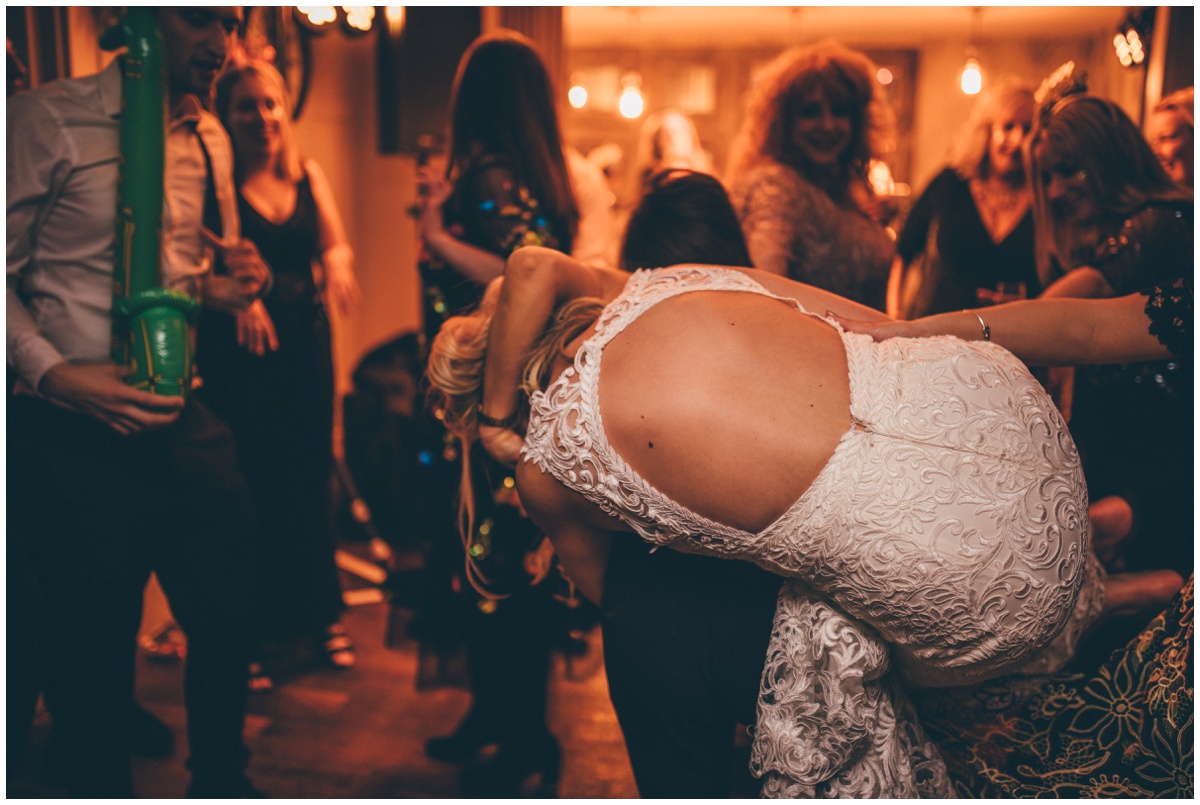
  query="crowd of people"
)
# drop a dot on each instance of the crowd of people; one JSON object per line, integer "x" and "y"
{"x": 870, "y": 506}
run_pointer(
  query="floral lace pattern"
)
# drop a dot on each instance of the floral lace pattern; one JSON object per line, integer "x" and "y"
{"x": 952, "y": 519}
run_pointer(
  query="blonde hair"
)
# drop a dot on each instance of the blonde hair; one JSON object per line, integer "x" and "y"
{"x": 775, "y": 99}
{"x": 455, "y": 378}
{"x": 288, "y": 166}
{"x": 1183, "y": 103}
{"x": 969, "y": 157}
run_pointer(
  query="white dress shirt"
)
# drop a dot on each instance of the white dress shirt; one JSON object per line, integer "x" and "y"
{"x": 62, "y": 163}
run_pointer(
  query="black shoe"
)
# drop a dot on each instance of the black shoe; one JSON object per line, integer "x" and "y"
{"x": 456, "y": 747}
{"x": 148, "y": 736}
{"x": 508, "y": 772}
{"x": 233, "y": 786}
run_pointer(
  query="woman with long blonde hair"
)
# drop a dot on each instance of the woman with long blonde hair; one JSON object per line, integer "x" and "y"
{"x": 969, "y": 237}
{"x": 269, "y": 372}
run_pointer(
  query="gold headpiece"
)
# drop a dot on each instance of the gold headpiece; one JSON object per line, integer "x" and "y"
{"x": 1061, "y": 86}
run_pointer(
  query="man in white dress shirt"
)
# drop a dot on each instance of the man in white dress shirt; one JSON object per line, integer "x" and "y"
{"x": 106, "y": 482}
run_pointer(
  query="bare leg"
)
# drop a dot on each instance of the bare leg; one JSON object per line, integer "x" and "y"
{"x": 1112, "y": 522}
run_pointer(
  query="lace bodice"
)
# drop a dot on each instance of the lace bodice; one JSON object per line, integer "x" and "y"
{"x": 946, "y": 537}
{"x": 952, "y": 518}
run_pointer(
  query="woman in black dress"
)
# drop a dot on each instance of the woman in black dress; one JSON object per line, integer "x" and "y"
{"x": 269, "y": 371}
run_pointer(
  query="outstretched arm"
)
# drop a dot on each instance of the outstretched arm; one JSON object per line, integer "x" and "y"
{"x": 536, "y": 281}
{"x": 1044, "y": 332}
{"x": 814, "y": 299}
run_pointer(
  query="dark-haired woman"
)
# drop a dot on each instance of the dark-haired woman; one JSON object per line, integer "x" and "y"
{"x": 506, "y": 185}
{"x": 1114, "y": 221}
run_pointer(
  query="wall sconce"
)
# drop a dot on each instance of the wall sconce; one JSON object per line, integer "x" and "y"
{"x": 631, "y": 103}
{"x": 1132, "y": 37}
{"x": 356, "y": 20}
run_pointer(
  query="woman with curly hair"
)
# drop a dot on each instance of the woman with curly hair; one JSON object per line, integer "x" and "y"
{"x": 798, "y": 172}
{"x": 970, "y": 234}
{"x": 1171, "y": 132}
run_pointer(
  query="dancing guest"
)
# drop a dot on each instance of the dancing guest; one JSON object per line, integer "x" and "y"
{"x": 268, "y": 372}
{"x": 1111, "y": 217}
{"x": 1171, "y": 132}
{"x": 798, "y": 172}
{"x": 665, "y": 461}
{"x": 969, "y": 237}
{"x": 113, "y": 481}
{"x": 684, "y": 636}
{"x": 506, "y": 185}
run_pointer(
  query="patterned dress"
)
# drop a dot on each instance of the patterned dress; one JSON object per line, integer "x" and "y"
{"x": 788, "y": 219}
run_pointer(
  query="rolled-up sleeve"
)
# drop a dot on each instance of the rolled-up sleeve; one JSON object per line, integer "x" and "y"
{"x": 38, "y": 161}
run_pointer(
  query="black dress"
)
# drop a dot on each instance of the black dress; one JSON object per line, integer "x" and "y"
{"x": 969, "y": 259}
{"x": 1134, "y": 423}
{"x": 507, "y": 641}
{"x": 280, "y": 409}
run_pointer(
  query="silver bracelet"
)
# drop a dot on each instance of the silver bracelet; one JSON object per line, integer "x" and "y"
{"x": 987, "y": 331}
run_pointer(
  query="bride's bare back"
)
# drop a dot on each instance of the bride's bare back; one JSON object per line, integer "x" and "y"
{"x": 730, "y": 403}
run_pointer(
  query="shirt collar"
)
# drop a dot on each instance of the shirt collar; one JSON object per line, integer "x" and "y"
{"x": 187, "y": 110}
{"x": 110, "y": 89}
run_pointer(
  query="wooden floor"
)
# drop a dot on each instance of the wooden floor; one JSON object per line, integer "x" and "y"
{"x": 359, "y": 733}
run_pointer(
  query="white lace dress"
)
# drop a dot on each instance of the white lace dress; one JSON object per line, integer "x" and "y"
{"x": 947, "y": 537}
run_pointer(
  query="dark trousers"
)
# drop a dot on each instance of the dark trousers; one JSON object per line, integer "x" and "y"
{"x": 685, "y": 639}
{"x": 97, "y": 512}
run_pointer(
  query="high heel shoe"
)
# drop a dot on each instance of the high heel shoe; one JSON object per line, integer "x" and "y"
{"x": 339, "y": 650}
{"x": 507, "y": 773}
{"x": 461, "y": 745}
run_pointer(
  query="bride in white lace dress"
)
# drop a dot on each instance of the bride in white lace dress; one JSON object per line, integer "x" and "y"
{"x": 924, "y": 497}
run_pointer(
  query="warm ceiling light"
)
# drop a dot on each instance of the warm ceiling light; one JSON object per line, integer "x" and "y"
{"x": 577, "y": 96}
{"x": 359, "y": 18}
{"x": 317, "y": 16}
{"x": 884, "y": 76}
{"x": 394, "y": 15}
{"x": 631, "y": 103}
{"x": 971, "y": 80}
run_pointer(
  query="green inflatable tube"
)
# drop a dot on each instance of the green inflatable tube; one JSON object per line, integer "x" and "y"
{"x": 151, "y": 332}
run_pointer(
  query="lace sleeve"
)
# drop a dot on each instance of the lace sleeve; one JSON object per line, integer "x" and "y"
{"x": 769, "y": 220}
{"x": 1169, "y": 309}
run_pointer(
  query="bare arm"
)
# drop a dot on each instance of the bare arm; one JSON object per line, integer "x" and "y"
{"x": 1045, "y": 332}
{"x": 337, "y": 258}
{"x": 582, "y": 535}
{"x": 472, "y": 262}
{"x": 814, "y": 299}
{"x": 536, "y": 281}
{"x": 894, "y": 286}
{"x": 1079, "y": 283}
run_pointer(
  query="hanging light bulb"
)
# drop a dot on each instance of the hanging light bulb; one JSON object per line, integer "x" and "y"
{"x": 577, "y": 95}
{"x": 631, "y": 103}
{"x": 971, "y": 79}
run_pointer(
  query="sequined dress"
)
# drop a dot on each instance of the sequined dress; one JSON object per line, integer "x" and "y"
{"x": 947, "y": 538}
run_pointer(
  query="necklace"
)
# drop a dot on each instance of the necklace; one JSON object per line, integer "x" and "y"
{"x": 1000, "y": 197}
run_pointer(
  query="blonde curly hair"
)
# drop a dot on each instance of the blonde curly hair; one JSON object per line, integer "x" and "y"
{"x": 1008, "y": 96}
{"x": 845, "y": 76}
{"x": 455, "y": 379}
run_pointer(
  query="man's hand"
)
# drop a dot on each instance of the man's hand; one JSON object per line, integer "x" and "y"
{"x": 249, "y": 272}
{"x": 255, "y": 330}
{"x": 98, "y": 390}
